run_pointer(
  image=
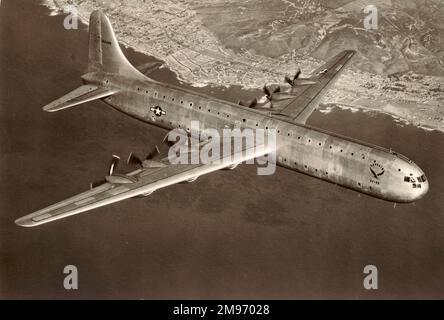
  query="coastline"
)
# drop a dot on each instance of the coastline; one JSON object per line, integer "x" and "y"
{"x": 325, "y": 109}
{"x": 403, "y": 112}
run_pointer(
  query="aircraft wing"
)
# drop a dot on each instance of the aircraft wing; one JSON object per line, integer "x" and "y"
{"x": 78, "y": 96}
{"x": 306, "y": 100}
{"x": 140, "y": 182}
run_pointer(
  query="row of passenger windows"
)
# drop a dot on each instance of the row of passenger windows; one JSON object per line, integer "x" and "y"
{"x": 244, "y": 120}
{"x": 315, "y": 170}
{"x": 295, "y": 164}
{"x": 156, "y": 94}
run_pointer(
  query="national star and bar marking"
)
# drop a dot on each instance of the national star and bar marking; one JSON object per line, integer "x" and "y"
{"x": 158, "y": 111}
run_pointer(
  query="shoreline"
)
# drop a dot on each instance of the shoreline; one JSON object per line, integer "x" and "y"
{"x": 325, "y": 109}
{"x": 58, "y": 9}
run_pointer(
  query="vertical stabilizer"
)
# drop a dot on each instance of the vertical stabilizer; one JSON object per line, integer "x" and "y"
{"x": 105, "y": 54}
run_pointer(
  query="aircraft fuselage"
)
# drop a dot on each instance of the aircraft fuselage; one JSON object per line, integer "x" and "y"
{"x": 365, "y": 168}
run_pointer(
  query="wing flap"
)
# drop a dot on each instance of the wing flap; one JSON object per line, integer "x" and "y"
{"x": 78, "y": 96}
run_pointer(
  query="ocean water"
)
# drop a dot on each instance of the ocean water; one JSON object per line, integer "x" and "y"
{"x": 230, "y": 234}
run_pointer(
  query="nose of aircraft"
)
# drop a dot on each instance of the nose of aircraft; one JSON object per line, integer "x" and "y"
{"x": 421, "y": 184}
{"x": 416, "y": 184}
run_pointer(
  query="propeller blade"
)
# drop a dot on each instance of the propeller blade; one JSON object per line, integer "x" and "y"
{"x": 298, "y": 73}
{"x": 267, "y": 92}
{"x": 253, "y": 103}
{"x": 133, "y": 159}
{"x": 114, "y": 161}
{"x": 288, "y": 80}
{"x": 153, "y": 153}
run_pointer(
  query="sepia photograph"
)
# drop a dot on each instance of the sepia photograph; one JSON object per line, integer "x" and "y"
{"x": 221, "y": 150}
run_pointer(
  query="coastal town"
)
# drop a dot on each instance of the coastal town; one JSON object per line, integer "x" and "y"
{"x": 225, "y": 44}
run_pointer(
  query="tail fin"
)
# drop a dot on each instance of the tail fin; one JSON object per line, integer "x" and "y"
{"x": 105, "y": 54}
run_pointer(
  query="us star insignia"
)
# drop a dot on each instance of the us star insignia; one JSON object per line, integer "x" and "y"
{"x": 158, "y": 111}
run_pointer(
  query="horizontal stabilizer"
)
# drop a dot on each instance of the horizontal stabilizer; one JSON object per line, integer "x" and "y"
{"x": 80, "y": 95}
{"x": 149, "y": 67}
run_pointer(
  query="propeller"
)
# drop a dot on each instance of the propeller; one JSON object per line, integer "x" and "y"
{"x": 290, "y": 81}
{"x": 135, "y": 160}
{"x": 296, "y": 81}
{"x": 268, "y": 93}
{"x": 112, "y": 166}
{"x": 298, "y": 73}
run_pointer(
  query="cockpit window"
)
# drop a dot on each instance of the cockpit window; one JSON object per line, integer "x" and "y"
{"x": 422, "y": 178}
{"x": 407, "y": 179}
